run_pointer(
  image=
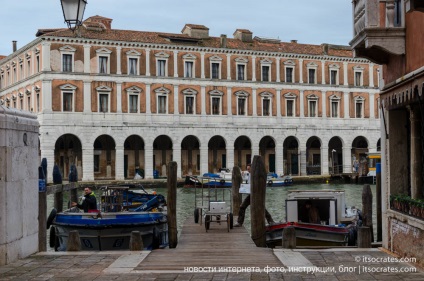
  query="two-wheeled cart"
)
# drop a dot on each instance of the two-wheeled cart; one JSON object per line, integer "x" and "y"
{"x": 213, "y": 203}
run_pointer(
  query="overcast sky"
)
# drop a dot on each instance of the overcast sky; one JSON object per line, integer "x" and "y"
{"x": 308, "y": 21}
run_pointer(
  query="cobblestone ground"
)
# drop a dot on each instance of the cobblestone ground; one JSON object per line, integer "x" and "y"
{"x": 334, "y": 265}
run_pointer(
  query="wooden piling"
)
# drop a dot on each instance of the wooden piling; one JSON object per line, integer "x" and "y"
{"x": 257, "y": 201}
{"x": 42, "y": 221}
{"x": 236, "y": 196}
{"x": 172, "y": 204}
{"x": 289, "y": 238}
{"x": 74, "y": 241}
{"x": 136, "y": 242}
{"x": 364, "y": 237}
{"x": 367, "y": 209}
{"x": 378, "y": 199}
{"x": 58, "y": 200}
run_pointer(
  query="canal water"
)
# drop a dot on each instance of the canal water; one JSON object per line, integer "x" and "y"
{"x": 275, "y": 200}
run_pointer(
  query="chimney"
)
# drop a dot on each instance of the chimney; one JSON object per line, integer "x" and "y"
{"x": 223, "y": 41}
{"x": 294, "y": 41}
{"x": 244, "y": 35}
{"x": 324, "y": 49}
{"x": 14, "y": 44}
{"x": 196, "y": 31}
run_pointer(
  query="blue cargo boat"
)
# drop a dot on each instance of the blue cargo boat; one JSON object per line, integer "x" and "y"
{"x": 121, "y": 211}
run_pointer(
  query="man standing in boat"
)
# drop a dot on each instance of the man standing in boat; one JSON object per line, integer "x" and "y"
{"x": 246, "y": 202}
{"x": 89, "y": 201}
{"x": 313, "y": 213}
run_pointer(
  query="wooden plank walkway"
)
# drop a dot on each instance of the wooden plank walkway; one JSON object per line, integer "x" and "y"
{"x": 215, "y": 248}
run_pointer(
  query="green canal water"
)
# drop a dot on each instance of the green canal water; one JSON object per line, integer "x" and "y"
{"x": 275, "y": 200}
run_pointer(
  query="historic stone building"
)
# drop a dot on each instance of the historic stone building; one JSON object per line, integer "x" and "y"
{"x": 390, "y": 33}
{"x": 113, "y": 101}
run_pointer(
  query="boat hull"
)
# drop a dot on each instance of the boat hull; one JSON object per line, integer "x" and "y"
{"x": 310, "y": 234}
{"x": 112, "y": 231}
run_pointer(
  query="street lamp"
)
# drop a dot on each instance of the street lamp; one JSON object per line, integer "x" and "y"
{"x": 334, "y": 161}
{"x": 73, "y": 11}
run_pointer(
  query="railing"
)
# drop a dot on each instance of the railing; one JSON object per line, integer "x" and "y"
{"x": 335, "y": 170}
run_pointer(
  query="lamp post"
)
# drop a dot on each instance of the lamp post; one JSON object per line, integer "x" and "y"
{"x": 73, "y": 11}
{"x": 334, "y": 161}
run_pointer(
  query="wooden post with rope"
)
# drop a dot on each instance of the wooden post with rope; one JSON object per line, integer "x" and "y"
{"x": 257, "y": 201}
{"x": 236, "y": 196}
{"x": 172, "y": 204}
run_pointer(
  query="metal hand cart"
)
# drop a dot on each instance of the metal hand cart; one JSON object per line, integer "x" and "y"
{"x": 213, "y": 203}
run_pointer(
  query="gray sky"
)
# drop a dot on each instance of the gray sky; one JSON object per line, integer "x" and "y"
{"x": 308, "y": 21}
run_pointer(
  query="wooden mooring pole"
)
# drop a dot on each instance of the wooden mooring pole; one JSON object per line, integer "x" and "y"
{"x": 236, "y": 196}
{"x": 257, "y": 201}
{"x": 378, "y": 199}
{"x": 366, "y": 215}
{"x": 42, "y": 211}
{"x": 172, "y": 204}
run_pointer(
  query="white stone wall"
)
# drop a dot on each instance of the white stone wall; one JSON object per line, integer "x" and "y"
{"x": 19, "y": 163}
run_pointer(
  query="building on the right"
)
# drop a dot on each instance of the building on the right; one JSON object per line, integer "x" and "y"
{"x": 390, "y": 33}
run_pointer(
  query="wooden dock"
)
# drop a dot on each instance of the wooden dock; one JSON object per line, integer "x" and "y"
{"x": 215, "y": 248}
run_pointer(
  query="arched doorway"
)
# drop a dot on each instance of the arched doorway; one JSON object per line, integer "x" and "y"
{"x": 104, "y": 157}
{"x": 190, "y": 156}
{"x": 359, "y": 155}
{"x": 291, "y": 156}
{"x": 67, "y": 152}
{"x": 217, "y": 154}
{"x": 133, "y": 156}
{"x": 335, "y": 156}
{"x": 242, "y": 152}
{"x": 313, "y": 156}
{"x": 267, "y": 151}
{"x": 162, "y": 154}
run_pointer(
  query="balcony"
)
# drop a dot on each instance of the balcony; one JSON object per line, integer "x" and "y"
{"x": 379, "y": 31}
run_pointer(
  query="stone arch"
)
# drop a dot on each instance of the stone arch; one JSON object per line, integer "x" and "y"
{"x": 67, "y": 152}
{"x": 104, "y": 157}
{"x": 217, "y": 154}
{"x": 162, "y": 154}
{"x": 190, "y": 155}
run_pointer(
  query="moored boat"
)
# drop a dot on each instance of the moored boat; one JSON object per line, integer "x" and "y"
{"x": 338, "y": 224}
{"x": 120, "y": 212}
{"x": 275, "y": 180}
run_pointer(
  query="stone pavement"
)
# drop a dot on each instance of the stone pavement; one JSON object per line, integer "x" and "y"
{"x": 307, "y": 264}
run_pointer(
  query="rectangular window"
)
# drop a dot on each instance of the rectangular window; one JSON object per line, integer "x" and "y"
{"x": 66, "y": 63}
{"x": 162, "y": 104}
{"x": 103, "y": 65}
{"x": 38, "y": 63}
{"x": 358, "y": 109}
{"x": 161, "y": 67}
{"x": 333, "y": 77}
{"x": 21, "y": 103}
{"x": 188, "y": 69}
{"x": 29, "y": 104}
{"x": 289, "y": 74}
{"x": 132, "y": 66}
{"x": 67, "y": 102}
{"x": 215, "y": 70}
{"x": 265, "y": 73}
{"x": 133, "y": 104}
{"x": 38, "y": 102}
{"x": 240, "y": 72}
{"x": 241, "y": 106}
{"x": 266, "y": 104}
{"x": 334, "y": 109}
{"x": 290, "y": 107}
{"x": 189, "y": 106}
{"x": 21, "y": 71}
{"x": 312, "y": 108}
{"x": 29, "y": 68}
{"x": 103, "y": 103}
{"x": 216, "y": 101}
{"x": 15, "y": 78}
{"x": 311, "y": 76}
{"x": 358, "y": 76}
